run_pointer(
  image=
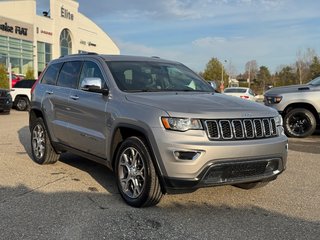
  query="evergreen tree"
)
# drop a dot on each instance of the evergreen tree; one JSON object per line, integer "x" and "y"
{"x": 214, "y": 72}
{"x": 314, "y": 68}
{"x": 263, "y": 79}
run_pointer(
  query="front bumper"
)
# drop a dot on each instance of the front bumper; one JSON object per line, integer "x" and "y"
{"x": 235, "y": 172}
{"x": 218, "y": 162}
{"x": 5, "y": 104}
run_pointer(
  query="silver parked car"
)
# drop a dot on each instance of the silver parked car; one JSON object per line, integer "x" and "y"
{"x": 155, "y": 123}
{"x": 299, "y": 105}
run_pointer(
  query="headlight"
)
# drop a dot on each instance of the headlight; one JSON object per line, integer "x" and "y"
{"x": 278, "y": 120}
{"x": 181, "y": 124}
{"x": 274, "y": 100}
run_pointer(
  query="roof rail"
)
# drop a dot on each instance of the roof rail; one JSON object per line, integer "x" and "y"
{"x": 79, "y": 54}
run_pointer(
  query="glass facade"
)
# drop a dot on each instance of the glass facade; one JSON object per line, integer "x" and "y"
{"x": 18, "y": 52}
{"x": 44, "y": 55}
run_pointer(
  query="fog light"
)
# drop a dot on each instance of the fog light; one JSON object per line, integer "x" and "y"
{"x": 186, "y": 155}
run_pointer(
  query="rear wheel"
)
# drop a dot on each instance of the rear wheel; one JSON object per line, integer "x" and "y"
{"x": 42, "y": 151}
{"x": 299, "y": 122}
{"x": 22, "y": 103}
{"x": 136, "y": 177}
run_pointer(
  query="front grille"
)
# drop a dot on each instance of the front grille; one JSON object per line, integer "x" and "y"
{"x": 240, "y": 129}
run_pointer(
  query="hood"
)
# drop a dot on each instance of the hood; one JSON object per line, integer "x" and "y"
{"x": 289, "y": 89}
{"x": 202, "y": 105}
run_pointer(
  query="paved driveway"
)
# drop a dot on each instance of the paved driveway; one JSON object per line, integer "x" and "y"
{"x": 78, "y": 199}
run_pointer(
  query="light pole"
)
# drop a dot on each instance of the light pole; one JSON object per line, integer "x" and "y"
{"x": 222, "y": 81}
{"x": 249, "y": 73}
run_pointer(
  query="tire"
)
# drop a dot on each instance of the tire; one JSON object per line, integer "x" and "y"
{"x": 22, "y": 104}
{"x": 251, "y": 185}
{"x": 300, "y": 123}
{"x": 136, "y": 177}
{"x": 42, "y": 150}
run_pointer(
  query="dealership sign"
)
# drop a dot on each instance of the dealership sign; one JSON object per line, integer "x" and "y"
{"x": 16, "y": 29}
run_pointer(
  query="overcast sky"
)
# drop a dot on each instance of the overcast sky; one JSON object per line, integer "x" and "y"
{"x": 193, "y": 31}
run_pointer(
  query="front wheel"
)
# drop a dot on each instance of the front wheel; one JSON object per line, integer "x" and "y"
{"x": 42, "y": 151}
{"x": 299, "y": 122}
{"x": 136, "y": 177}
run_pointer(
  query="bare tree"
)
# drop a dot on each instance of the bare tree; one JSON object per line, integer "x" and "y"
{"x": 251, "y": 70}
{"x": 303, "y": 62}
{"x": 231, "y": 70}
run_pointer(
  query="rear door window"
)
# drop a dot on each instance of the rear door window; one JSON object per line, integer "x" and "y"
{"x": 69, "y": 75}
{"x": 50, "y": 76}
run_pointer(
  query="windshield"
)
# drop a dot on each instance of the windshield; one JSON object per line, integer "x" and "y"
{"x": 156, "y": 76}
{"x": 315, "y": 81}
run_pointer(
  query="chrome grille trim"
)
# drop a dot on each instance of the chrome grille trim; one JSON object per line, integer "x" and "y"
{"x": 240, "y": 129}
{"x": 248, "y": 126}
{"x": 258, "y": 128}
{"x": 226, "y": 129}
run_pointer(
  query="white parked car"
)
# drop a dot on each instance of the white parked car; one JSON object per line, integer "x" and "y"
{"x": 242, "y": 92}
{"x": 21, "y": 94}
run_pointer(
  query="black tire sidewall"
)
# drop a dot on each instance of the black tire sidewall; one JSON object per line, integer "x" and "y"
{"x": 307, "y": 114}
{"x": 22, "y": 99}
{"x": 39, "y": 121}
{"x": 138, "y": 144}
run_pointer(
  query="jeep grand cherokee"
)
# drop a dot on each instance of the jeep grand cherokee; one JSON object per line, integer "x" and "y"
{"x": 155, "y": 123}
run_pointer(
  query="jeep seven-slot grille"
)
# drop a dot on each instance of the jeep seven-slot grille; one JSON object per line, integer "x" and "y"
{"x": 239, "y": 129}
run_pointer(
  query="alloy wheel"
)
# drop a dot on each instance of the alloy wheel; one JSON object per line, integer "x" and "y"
{"x": 132, "y": 172}
{"x": 299, "y": 123}
{"x": 38, "y": 141}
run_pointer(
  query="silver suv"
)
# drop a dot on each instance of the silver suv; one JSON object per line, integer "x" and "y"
{"x": 156, "y": 124}
{"x": 299, "y": 106}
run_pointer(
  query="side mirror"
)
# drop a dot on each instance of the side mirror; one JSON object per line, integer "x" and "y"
{"x": 213, "y": 85}
{"x": 93, "y": 85}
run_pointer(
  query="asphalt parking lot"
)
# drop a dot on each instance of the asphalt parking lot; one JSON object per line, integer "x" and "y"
{"x": 78, "y": 199}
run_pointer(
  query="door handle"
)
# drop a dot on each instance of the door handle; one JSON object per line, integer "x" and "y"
{"x": 74, "y": 97}
{"x": 49, "y": 92}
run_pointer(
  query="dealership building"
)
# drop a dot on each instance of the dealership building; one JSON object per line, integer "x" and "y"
{"x": 30, "y": 41}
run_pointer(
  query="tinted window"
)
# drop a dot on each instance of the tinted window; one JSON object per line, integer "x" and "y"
{"x": 90, "y": 70}
{"x": 235, "y": 90}
{"x": 69, "y": 74}
{"x": 315, "y": 81}
{"x": 50, "y": 76}
{"x": 24, "y": 84}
